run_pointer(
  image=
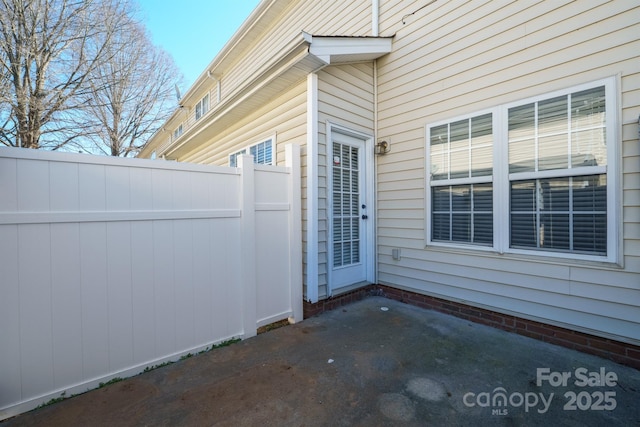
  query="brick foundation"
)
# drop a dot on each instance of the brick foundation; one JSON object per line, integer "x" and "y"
{"x": 619, "y": 352}
{"x": 310, "y": 310}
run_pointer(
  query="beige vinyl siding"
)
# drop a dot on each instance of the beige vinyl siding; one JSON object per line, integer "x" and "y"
{"x": 345, "y": 98}
{"x": 345, "y": 94}
{"x": 283, "y": 117}
{"x": 631, "y": 169}
{"x": 349, "y": 18}
{"x": 455, "y": 58}
{"x": 468, "y": 72}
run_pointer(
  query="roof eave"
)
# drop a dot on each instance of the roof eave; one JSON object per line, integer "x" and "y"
{"x": 305, "y": 53}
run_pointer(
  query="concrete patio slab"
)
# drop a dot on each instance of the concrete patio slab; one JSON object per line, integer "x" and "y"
{"x": 376, "y": 362}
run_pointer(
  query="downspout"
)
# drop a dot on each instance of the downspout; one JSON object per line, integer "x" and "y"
{"x": 375, "y": 169}
{"x": 312, "y": 189}
{"x": 375, "y": 31}
{"x": 375, "y": 18}
{"x": 217, "y": 80}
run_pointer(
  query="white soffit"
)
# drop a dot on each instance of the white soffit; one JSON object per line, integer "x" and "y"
{"x": 341, "y": 50}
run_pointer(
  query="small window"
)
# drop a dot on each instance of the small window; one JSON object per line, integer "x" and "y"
{"x": 262, "y": 153}
{"x": 177, "y": 132}
{"x": 202, "y": 106}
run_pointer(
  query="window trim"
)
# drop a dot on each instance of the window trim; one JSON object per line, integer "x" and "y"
{"x": 501, "y": 178}
{"x": 471, "y": 180}
{"x": 247, "y": 149}
{"x": 487, "y": 179}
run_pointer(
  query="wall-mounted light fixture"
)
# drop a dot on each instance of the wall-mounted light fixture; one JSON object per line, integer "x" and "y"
{"x": 382, "y": 147}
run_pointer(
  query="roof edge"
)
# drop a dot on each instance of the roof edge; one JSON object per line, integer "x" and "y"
{"x": 348, "y": 49}
{"x": 258, "y": 13}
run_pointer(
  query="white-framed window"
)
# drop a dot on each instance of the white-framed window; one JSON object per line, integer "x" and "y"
{"x": 262, "y": 153}
{"x": 461, "y": 170}
{"x": 202, "y": 106}
{"x": 534, "y": 176}
{"x": 177, "y": 132}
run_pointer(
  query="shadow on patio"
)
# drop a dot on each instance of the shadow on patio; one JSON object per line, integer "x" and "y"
{"x": 374, "y": 362}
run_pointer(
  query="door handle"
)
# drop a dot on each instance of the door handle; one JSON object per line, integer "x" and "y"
{"x": 364, "y": 217}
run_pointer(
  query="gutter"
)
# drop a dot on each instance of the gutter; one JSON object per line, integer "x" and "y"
{"x": 321, "y": 50}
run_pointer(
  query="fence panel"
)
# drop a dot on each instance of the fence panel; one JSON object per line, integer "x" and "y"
{"x": 109, "y": 266}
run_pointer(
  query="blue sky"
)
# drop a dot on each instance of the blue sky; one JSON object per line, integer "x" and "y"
{"x": 194, "y": 31}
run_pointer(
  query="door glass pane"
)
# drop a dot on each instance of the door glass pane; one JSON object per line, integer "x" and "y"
{"x": 346, "y": 205}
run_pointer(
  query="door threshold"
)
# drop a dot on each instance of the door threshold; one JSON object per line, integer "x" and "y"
{"x": 349, "y": 288}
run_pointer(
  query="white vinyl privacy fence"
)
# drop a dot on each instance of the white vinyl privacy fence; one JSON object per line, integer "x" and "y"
{"x": 109, "y": 266}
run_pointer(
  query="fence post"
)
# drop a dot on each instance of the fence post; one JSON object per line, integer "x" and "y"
{"x": 247, "y": 245}
{"x": 292, "y": 152}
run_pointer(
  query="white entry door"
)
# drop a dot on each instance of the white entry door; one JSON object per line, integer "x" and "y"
{"x": 349, "y": 257}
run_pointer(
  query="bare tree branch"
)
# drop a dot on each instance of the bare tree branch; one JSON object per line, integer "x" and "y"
{"x": 53, "y": 55}
{"x": 131, "y": 93}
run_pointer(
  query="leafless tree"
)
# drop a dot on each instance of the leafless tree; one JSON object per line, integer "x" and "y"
{"x": 59, "y": 58}
{"x": 130, "y": 94}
